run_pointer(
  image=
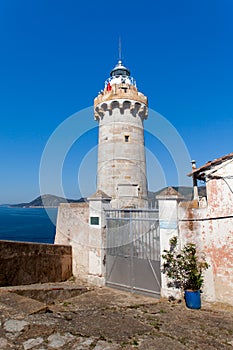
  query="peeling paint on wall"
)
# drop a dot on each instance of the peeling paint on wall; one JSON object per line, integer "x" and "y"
{"x": 211, "y": 228}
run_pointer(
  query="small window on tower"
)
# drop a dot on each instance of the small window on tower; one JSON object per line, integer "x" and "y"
{"x": 126, "y": 138}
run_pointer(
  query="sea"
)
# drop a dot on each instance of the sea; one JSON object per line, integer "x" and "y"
{"x": 28, "y": 224}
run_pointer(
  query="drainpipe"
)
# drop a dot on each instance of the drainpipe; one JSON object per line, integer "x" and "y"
{"x": 195, "y": 188}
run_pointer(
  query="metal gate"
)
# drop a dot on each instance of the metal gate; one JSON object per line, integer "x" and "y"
{"x": 133, "y": 251}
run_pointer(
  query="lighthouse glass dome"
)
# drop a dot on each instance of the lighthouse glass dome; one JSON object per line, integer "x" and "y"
{"x": 120, "y": 70}
{"x": 120, "y": 74}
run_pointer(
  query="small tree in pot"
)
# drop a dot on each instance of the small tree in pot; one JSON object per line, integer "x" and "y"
{"x": 184, "y": 269}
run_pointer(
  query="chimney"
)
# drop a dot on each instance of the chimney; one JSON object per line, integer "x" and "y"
{"x": 195, "y": 188}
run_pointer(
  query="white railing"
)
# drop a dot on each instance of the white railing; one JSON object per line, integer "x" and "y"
{"x": 122, "y": 79}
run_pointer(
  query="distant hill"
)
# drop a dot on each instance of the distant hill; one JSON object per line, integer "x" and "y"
{"x": 47, "y": 200}
{"x": 185, "y": 191}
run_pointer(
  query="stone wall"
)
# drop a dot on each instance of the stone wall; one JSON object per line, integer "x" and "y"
{"x": 73, "y": 229}
{"x": 83, "y": 226}
{"x": 168, "y": 201}
{"x": 28, "y": 263}
{"x": 121, "y": 155}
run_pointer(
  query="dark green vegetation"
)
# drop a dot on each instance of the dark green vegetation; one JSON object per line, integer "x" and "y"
{"x": 184, "y": 267}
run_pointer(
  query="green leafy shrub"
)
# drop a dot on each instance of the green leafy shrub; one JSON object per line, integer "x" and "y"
{"x": 184, "y": 267}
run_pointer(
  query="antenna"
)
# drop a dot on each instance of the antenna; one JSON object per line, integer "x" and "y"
{"x": 119, "y": 49}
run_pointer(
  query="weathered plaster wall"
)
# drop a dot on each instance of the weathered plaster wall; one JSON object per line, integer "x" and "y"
{"x": 27, "y": 263}
{"x": 220, "y": 190}
{"x": 168, "y": 223}
{"x": 73, "y": 229}
{"x": 87, "y": 240}
{"x": 97, "y": 241}
{"x": 211, "y": 228}
{"x": 192, "y": 229}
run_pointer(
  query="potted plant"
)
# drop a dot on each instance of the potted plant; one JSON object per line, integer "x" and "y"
{"x": 184, "y": 268}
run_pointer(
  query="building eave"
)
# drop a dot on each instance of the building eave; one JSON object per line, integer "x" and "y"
{"x": 201, "y": 172}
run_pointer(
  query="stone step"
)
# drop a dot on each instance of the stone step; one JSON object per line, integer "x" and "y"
{"x": 47, "y": 293}
{"x": 17, "y": 306}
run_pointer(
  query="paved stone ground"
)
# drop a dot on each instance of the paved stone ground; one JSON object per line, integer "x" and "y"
{"x": 106, "y": 319}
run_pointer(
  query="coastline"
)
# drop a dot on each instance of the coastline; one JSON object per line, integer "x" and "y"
{"x": 33, "y": 207}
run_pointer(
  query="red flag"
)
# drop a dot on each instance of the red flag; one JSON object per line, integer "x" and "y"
{"x": 109, "y": 88}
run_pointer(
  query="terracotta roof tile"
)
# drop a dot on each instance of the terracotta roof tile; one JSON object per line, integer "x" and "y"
{"x": 210, "y": 164}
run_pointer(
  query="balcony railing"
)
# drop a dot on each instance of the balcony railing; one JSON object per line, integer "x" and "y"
{"x": 122, "y": 79}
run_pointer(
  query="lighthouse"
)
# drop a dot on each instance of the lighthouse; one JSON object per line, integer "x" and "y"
{"x": 120, "y": 110}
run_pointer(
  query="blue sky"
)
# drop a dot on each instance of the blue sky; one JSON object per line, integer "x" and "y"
{"x": 55, "y": 56}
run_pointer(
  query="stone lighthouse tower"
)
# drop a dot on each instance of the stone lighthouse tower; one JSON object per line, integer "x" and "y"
{"x": 121, "y": 110}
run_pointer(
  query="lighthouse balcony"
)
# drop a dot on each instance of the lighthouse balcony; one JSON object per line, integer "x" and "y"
{"x": 119, "y": 79}
{"x": 120, "y": 91}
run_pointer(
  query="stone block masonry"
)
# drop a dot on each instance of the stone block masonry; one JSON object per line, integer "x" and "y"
{"x": 28, "y": 263}
{"x": 120, "y": 110}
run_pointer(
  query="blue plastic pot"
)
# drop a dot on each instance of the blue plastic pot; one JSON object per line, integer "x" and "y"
{"x": 192, "y": 299}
